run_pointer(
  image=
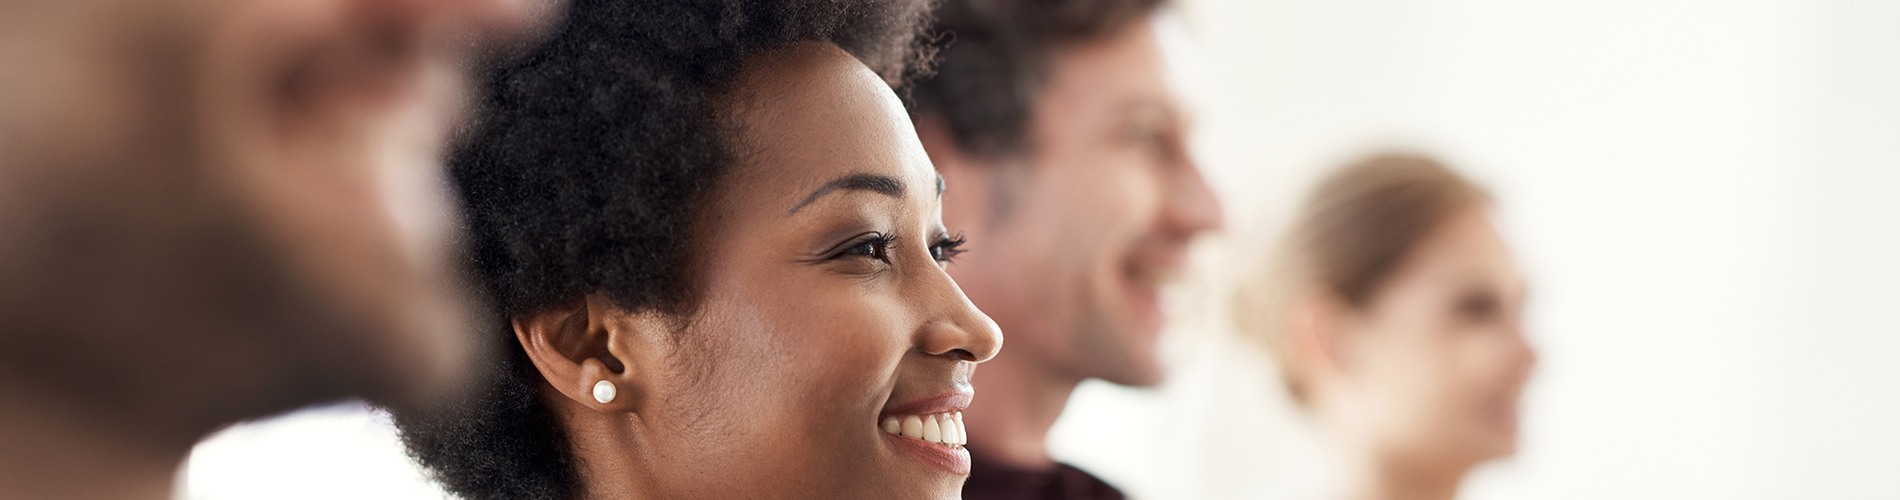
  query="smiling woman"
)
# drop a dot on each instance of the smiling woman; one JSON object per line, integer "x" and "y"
{"x": 714, "y": 248}
{"x": 1394, "y": 310}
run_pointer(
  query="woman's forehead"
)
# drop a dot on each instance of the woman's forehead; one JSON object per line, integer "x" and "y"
{"x": 826, "y": 116}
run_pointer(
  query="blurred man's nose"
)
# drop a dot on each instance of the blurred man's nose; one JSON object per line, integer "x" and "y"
{"x": 1192, "y": 207}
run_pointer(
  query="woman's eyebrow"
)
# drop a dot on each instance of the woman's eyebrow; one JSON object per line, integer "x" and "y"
{"x": 889, "y": 186}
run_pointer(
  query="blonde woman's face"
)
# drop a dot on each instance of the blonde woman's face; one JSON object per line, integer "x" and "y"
{"x": 1440, "y": 351}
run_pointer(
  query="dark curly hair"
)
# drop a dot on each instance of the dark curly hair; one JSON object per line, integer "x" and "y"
{"x": 993, "y": 59}
{"x": 583, "y": 172}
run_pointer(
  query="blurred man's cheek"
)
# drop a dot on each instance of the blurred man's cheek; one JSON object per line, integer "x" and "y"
{"x": 409, "y": 168}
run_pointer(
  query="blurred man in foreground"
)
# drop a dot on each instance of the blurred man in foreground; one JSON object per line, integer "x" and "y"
{"x": 219, "y": 209}
{"x": 1064, "y": 148}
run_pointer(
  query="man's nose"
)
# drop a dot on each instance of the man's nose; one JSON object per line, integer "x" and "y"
{"x": 1191, "y": 206}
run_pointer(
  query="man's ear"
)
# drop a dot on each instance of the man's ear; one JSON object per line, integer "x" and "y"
{"x": 942, "y": 148}
{"x": 968, "y": 180}
{"x": 579, "y": 345}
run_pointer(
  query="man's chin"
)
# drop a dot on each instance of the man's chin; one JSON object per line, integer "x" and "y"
{"x": 438, "y": 362}
{"x": 1123, "y": 339}
{"x": 1122, "y": 355}
{"x": 1138, "y": 378}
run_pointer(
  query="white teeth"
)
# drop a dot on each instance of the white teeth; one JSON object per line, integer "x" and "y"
{"x": 932, "y": 431}
{"x": 913, "y": 427}
{"x": 949, "y": 427}
{"x": 947, "y": 430}
{"x": 963, "y": 438}
{"x": 941, "y": 428}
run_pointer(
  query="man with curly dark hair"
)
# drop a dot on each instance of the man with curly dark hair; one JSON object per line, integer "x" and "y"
{"x": 1054, "y": 120}
{"x": 712, "y": 244}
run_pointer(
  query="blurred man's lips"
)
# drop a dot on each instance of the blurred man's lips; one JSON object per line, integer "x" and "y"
{"x": 1148, "y": 269}
{"x": 373, "y": 88}
{"x": 1151, "y": 276}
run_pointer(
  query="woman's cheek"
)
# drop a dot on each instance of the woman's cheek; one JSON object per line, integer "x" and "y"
{"x": 848, "y": 343}
{"x": 1486, "y": 382}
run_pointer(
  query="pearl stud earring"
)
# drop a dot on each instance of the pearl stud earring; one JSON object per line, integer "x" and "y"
{"x": 605, "y": 391}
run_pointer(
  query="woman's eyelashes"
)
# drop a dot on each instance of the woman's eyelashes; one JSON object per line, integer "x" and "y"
{"x": 879, "y": 247}
{"x": 946, "y": 248}
{"x": 874, "y": 246}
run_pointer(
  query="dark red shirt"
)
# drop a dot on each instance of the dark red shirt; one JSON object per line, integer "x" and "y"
{"x": 991, "y": 481}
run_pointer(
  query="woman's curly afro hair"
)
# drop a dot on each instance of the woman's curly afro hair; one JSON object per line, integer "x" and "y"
{"x": 581, "y": 174}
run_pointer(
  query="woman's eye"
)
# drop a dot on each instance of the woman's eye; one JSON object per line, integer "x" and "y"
{"x": 1478, "y": 307}
{"x": 876, "y": 247}
{"x": 947, "y": 248}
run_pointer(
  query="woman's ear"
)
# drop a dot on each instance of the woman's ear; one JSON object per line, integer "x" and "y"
{"x": 582, "y": 350}
{"x": 1315, "y": 340}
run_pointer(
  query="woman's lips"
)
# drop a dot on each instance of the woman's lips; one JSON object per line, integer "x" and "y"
{"x": 946, "y": 403}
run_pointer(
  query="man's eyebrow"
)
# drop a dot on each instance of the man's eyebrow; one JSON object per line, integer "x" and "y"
{"x": 885, "y": 185}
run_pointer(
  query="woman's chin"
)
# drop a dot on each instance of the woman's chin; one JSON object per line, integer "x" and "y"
{"x": 1496, "y": 442}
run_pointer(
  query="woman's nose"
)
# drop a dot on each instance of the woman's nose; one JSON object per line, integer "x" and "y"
{"x": 1526, "y": 353}
{"x": 954, "y": 326}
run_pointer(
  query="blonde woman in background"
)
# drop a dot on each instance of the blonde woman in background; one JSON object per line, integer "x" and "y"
{"x": 1394, "y": 310}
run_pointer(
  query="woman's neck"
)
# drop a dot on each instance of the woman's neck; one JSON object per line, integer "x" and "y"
{"x": 1390, "y": 484}
{"x": 611, "y": 460}
{"x": 1374, "y": 473}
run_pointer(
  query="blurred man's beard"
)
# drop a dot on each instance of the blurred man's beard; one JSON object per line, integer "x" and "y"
{"x": 1111, "y": 351}
{"x": 164, "y": 313}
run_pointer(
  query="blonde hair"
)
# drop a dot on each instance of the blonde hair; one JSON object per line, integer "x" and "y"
{"x": 1348, "y": 238}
